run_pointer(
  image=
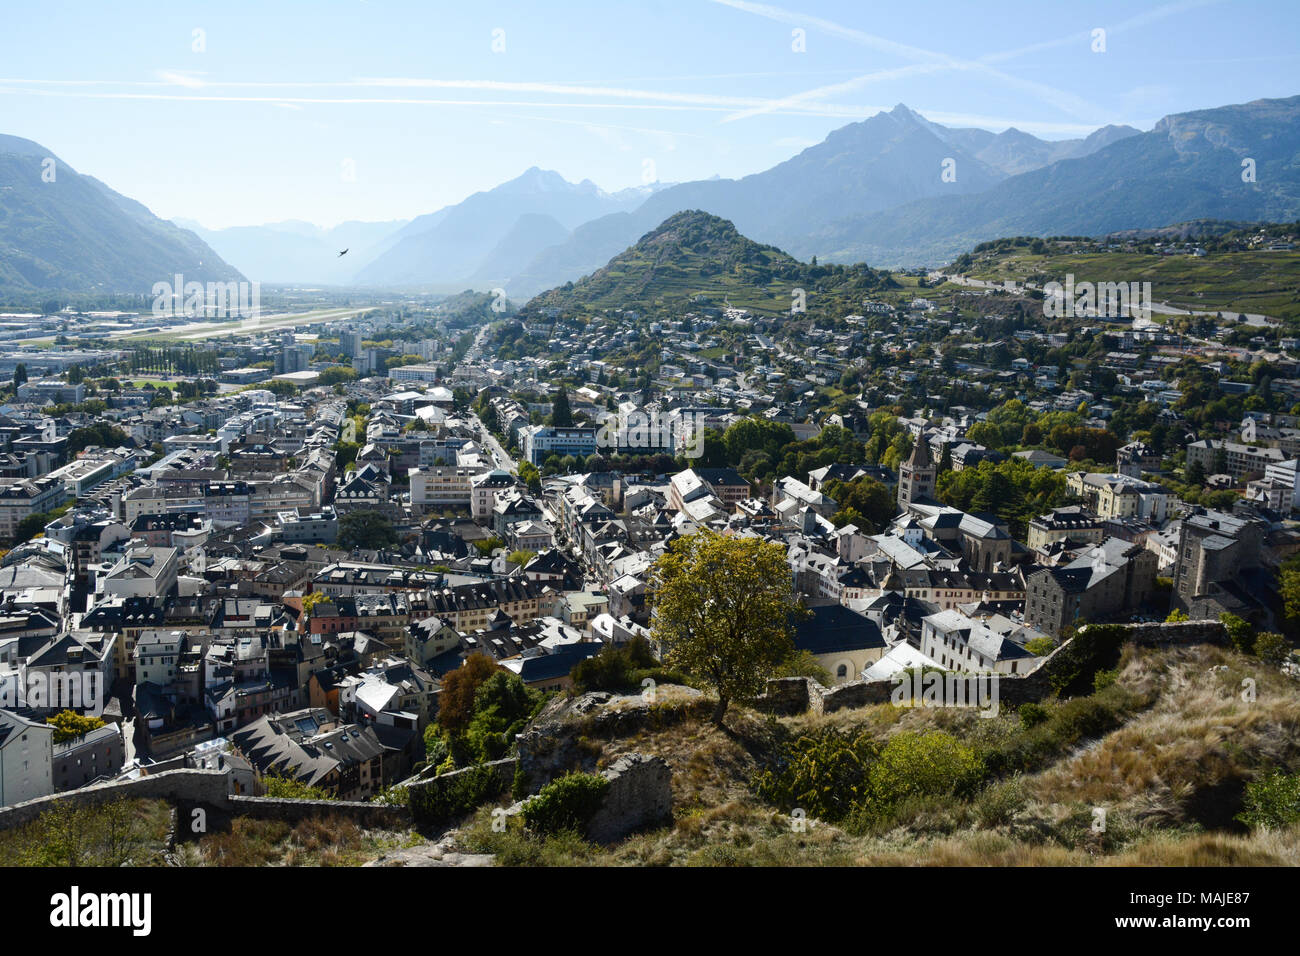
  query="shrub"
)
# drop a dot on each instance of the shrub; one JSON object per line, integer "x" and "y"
{"x": 396, "y": 796}
{"x": 568, "y": 803}
{"x": 1031, "y": 714}
{"x": 997, "y": 805}
{"x": 923, "y": 764}
{"x": 1272, "y": 802}
{"x": 1272, "y": 648}
{"x": 1103, "y": 679}
{"x": 435, "y": 748}
{"x": 115, "y": 833}
{"x": 824, "y": 773}
{"x": 1059, "y": 727}
{"x": 519, "y": 785}
{"x": 441, "y": 800}
{"x": 1091, "y": 649}
{"x": 1240, "y": 634}
{"x": 287, "y": 788}
{"x": 1082, "y": 717}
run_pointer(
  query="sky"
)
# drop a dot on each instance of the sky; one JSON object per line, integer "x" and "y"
{"x": 240, "y": 113}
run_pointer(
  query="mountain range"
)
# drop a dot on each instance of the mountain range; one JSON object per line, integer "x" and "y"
{"x": 873, "y": 191}
{"x": 299, "y": 253}
{"x": 61, "y": 231}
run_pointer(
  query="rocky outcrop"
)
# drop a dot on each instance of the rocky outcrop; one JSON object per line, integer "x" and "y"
{"x": 564, "y": 737}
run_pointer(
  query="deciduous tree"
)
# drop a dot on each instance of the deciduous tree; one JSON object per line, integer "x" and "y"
{"x": 722, "y": 608}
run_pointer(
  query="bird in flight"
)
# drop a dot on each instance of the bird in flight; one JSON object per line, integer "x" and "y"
{"x": 345, "y": 251}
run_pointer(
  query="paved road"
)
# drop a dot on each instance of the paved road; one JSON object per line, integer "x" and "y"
{"x": 499, "y": 455}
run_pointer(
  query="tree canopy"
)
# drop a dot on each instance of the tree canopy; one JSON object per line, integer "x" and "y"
{"x": 722, "y": 610}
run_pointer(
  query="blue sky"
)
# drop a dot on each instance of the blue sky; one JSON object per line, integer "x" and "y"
{"x": 327, "y": 111}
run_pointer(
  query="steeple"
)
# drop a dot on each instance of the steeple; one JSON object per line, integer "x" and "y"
{"x": 921, "y": 456}
{"x": 916, "y": 476}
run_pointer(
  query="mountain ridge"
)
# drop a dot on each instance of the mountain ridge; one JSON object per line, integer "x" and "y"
{"x": 73, "y": 233}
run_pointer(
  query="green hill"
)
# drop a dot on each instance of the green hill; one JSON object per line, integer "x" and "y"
{"x": 1224, "y": 279}
{"x": 73, "y": 234}
{"x": 695, "y": 260}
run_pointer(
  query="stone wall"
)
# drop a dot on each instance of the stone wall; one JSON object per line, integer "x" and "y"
{"x": 208, "y": 789}
{"x": 640, "y": 795}
{"x": 368, "y": 815}
{"x": 798, "y": 695}
{"x": 200, "y": 787}
{"x": 565, "y": 736}
{"x": 787, "y": 696}
{"x": 1180, "y": 632}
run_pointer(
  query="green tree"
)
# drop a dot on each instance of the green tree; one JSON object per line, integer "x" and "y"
{"x": 866, "y": 498}
{"x": 101, "y": 433}
{"x": 337, "y": 375}
{"x": 502, "y": 705}
{"x": 1040, "y": 646}
{"x": 561, "y": 414}
{"x": 20, "y": 374}
{"x": 530, "y": 476}
{"x": 31, "y": 526}
{"x": 309, "y": 601}
{"x": 722, "y": 610}
{"x": 365, "y": 528}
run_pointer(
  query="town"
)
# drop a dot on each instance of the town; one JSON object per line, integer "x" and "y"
{"x": 735, "y": 435}
{"x": 267, "y": 552}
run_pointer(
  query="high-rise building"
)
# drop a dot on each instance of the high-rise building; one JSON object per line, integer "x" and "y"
{"x": 350, "y": 343}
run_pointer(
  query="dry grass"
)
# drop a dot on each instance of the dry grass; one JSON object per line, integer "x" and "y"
{"x": 317, "y": 841}
{"x": 1188, "y": 757}
{"x": 1169, "y": 775}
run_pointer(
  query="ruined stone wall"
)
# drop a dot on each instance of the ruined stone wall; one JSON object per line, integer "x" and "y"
{"x": 798, "y": 695}
{"x": 1180, "y": 632}
{"x": 640, "y": 795}
{"x": 207, "y": 787}
{"x": 368, "y": 815}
